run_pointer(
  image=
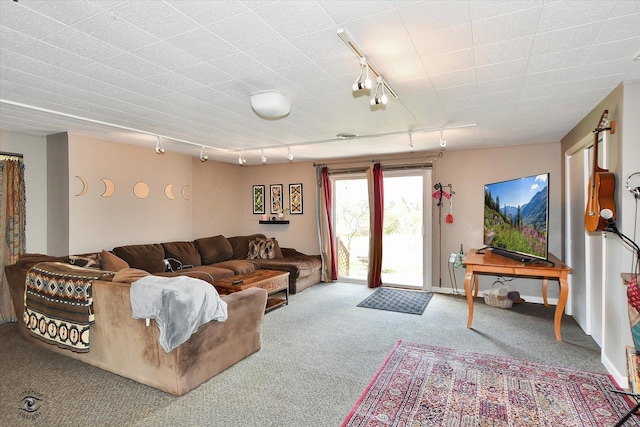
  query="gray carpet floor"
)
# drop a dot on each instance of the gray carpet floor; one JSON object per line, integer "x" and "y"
{"x": 318, "y": 355}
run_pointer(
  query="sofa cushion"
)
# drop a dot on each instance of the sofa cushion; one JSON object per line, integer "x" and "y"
{"x": 207, "y": 273}
{"x": 240, "y": 244}
{"x": 111, "y": 262}
{"x": 185, "y": 252}
{"x": 145, "y": 257}
{"x": 238, "y": 266}
{"x": 214, "y": 249}
{"x": 299, "y": 266}
{"x": 129, "y": 275}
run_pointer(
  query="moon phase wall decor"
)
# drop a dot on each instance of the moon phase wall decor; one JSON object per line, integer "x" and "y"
{"x": 184, "y": 192}
{"x": 109, "y": 187}
{"x": 85, "y": 186}
{"x": 168, "y": 191}
{"x": 141, "y": 190}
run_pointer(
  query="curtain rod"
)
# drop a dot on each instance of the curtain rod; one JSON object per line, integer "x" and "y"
{"x": 358, "y": 169}
{"x": 356, "y": 162}
{"x": 4, "y": 153}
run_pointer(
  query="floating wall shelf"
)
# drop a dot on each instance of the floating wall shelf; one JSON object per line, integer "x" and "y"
{"x": 274, "y": 222}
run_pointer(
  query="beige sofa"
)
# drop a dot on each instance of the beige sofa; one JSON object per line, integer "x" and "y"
{"x": 127, "y": 347}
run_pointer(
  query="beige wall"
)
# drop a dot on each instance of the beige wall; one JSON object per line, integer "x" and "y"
{"x": 217, "y": 202}
{"x": 468, "y": 171}
{"x": 33, "y": 149}
{"x": 301, "y": 233}
{"x": 58, "y": 208}
{"x": 99, "y": 222}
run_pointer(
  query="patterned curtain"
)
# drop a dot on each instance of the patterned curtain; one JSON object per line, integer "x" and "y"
{"x": 376, "y": 212}
{"x": 12, "y": 226}
{"x": 325, "y": 225}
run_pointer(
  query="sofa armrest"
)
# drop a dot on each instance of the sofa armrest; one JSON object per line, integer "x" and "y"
{"x": 290, "y": 252}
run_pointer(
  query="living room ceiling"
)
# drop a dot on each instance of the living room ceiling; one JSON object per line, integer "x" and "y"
{"x": 523, "y": 71}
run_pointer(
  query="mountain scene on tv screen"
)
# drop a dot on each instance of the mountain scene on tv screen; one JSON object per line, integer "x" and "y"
{"x": 511, "y": 221}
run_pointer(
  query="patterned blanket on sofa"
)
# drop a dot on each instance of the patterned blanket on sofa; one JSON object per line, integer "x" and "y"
{"x": 59, "y": 304}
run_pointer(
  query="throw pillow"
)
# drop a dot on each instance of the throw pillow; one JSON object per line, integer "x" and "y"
{"x": 129, "y": 275}
{"x": 110, "y": 262}
{"x": 276, "y": 248}
{"x": 261, "y": 249}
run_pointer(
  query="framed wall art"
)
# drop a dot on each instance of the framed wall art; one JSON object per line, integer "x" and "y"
{"x": 258, "y": 199}
{"x": 295, "y": 199}
{"x": 276, "y": 198}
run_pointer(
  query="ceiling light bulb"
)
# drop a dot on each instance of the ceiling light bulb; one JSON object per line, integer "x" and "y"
{"x": 379, "y": 97}
{"x": 443, "y": 142}
{"x": 411, "y": 145}
{"x": 159, "y": 148}
{"x": 289, "y": 155}
{"x": 263, "y": 158}
{"x": 203, "y": 157}
{"x": 363, "y": 81}
{"x": 240, "y": 159}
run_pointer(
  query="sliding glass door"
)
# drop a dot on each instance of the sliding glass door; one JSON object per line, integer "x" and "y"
{"x": 403, "y": 237}
{"x": 404, "y": 256}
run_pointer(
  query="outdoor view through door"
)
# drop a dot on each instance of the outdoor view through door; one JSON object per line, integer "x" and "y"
{"x": 402, "y": 242}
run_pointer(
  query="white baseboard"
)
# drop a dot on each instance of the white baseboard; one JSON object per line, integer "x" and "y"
{"x": 621, "y": 379}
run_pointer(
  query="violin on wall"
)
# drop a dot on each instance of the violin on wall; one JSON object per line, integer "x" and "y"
{"x": 602, "y": 183}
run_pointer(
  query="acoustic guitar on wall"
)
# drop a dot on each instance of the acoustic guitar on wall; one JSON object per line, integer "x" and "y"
{"x": 602, "y": 183}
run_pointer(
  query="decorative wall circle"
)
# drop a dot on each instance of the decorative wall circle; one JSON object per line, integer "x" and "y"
{"x": 85, "y": 186}
{"x": 168, "y": 191}
{"x": 184, "y": 192}
{"x": 141, "y": 190}
{"x": 109, "y": 187}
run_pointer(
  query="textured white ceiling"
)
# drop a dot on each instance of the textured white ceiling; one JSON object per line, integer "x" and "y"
{"x": 525, "y": 71}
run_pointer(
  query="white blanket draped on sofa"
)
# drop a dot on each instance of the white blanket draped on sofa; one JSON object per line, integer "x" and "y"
{"x": 179, "y": 305}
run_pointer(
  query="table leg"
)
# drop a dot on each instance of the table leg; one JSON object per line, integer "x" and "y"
{"x": 562, "y": 301}
{"x": 475, "y": 286}
{"x": 545, "y": 285}
{"x": 467, "y": 290}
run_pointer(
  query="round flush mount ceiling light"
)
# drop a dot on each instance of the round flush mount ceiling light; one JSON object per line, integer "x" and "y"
{"x": 271, "y": 105}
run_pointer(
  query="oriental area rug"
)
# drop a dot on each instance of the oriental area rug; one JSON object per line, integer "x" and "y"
{"x": 424, "y": 385}
{"x": 389, "y": 299}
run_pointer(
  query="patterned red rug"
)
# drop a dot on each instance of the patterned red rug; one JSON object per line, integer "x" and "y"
{"x": 424, "y": 385}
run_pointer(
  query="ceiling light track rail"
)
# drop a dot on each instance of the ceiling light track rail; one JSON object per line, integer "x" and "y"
{"x": 103, "y": 123}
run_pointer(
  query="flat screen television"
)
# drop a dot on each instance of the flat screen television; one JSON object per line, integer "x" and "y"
{"x": 516, "y": 218}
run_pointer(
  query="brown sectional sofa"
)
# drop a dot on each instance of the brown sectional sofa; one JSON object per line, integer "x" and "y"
{"x": 216, "y": 257}
{"x": 125, "y": 346}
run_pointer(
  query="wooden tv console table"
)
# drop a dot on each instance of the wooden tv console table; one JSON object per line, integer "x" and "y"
{"x": 496, "y": 265}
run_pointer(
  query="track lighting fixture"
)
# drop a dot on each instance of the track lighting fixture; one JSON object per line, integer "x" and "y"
{"x": 411, "y": 145}
{"x": 363, "y": 81}
{"x": 289, "y": 155}
{"x": 365, "y": 65}
{"x": 159, "y": 148}
{"x": 263, "y": 158}
{"x": 443, "y": 142}
{"x": 241, "y": 159}
{"x": 203, "y": 157}
{"x": 379, "y": 97}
